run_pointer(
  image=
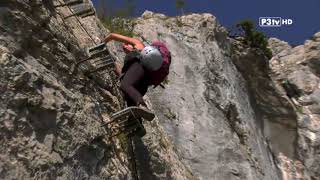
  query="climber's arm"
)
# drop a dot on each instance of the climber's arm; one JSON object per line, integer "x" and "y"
{"x": 127, "y": 43}
{"x": 124, "y": 39}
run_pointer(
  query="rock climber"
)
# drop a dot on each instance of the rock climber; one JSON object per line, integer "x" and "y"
{"x": 143, "y": 66}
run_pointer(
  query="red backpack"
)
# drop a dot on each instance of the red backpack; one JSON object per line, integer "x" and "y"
{"x": 160, "y": 75}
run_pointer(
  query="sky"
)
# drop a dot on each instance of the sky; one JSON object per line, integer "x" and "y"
{"x": 305, "y": 14}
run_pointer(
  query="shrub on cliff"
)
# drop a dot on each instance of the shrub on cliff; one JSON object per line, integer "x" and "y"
{"x": 254, "y": 38}
{"x": 117, "y": 20}
{"x": 118, "y": 25}
{"x": 180, "y": 6}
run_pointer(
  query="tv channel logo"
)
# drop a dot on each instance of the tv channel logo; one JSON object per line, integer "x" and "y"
{"x": 274, "y": 22}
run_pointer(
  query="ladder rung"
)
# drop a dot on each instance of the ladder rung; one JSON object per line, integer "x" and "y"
{"x": 94, "y": 50}
{"x": 127, "y": 123}
{"x": 82, "y": 10}
{"x": 101, "y": 68}
{"x": 129, "y": 130}
{"x": 69, "y": 3}
{"x": 104, "y": 59}
{"x": 104, "y": 52}
{"x": 108, "y": 60}
{"x": 73, "y": 1}
{"x": 88, "y": 14}
{"x": 117, "y": 121}
{"x": 102, "y": 63}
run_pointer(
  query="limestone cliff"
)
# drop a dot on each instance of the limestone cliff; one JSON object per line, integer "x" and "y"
{"x": 226, "y": 113}
{"x": 50, "y": 119}
{"x": 226, "y": 108}
{"x": 295, "y": 70}
{"x": 206, "y": 108}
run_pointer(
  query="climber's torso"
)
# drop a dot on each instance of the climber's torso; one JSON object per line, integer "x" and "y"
{"x": 133, "y": 73}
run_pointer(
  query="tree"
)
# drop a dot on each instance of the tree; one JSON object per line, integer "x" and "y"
{"x": 254, "y": 38}
{"x": 117, "y": 20}
{"x": 101, "y": 10}
{"x": 180, "y": 5}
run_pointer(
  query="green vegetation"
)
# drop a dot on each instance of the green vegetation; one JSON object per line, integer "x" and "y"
{"x": 179, "y": 22}
{"x": 254, "y": 38}
{"x": 291, "y": 89}
{"x": 159, "y": 34}
{"x": 300, "y": 109}
{"x": 180, "y": 6}
{"x": 124, "y": 141}
{"x": 121, "y": 20}
{"x": 166, "y": 81}
{"x": 117, "y": 20}
{"x": 119, "y": 25}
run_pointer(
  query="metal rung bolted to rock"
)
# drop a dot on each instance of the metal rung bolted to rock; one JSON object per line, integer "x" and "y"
{"x": 99, "y": 59}
{"x": 127, "y": 130}
{"x": 96, "y": 50}
{"x": 82, "y": 10}
{"x": 73, "y": 1}
{"x": 128, "y": 120}
{"x": 133, "y": 111}
{"x": 70, "y": 2}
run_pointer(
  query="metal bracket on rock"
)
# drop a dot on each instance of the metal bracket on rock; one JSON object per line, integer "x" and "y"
{"x": 70, "y": 3}
{"x": 122, "y": 126}
{"x": 99, "y": 59}
{"x": 82, "y": 10}
{"x": 123, "y": 122}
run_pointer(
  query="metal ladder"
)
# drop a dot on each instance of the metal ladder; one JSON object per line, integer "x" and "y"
{"x": 78, "y": 8}
{"x": 99, "y": 59}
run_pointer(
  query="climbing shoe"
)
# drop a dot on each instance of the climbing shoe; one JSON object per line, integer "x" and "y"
{"x": 146, "y": 113}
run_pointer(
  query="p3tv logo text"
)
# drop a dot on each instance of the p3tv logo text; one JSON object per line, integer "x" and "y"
{"x": 274, "y": 22}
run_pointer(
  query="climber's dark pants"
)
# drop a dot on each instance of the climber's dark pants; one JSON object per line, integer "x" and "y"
{"x": 134, "y": 84}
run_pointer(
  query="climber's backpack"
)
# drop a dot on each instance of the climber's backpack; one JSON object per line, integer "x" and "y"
{"x": 156, "y": 76}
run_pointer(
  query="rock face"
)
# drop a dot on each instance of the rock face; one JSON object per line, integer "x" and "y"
{"x": 226, "y": 108}
{"x": 227, "y": 112}
{"x": 296, "y": 71}
{"x": 50, "y": 120}
{"x": 206, "y": 108}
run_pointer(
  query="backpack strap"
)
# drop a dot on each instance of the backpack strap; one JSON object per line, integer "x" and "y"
{"x": 161, "y": 85}
{"x": 129, "y": 59}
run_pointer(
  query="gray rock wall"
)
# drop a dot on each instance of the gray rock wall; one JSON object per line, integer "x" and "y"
{"x": 50, "y": 120}
{"x": 296, "y": 71}
{"x": 205, "y": 108}
{"x": 226, "y": 113}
